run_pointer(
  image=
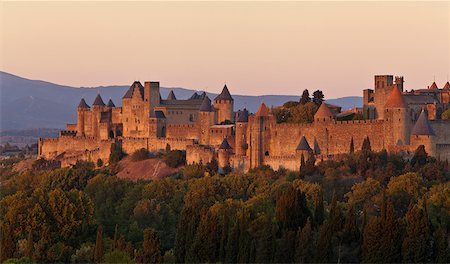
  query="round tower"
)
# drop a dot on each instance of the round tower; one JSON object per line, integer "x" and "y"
{"x": 224, "y": 104}
{"x": 423, "y": 134}
{"x": 205, "y": 120}
{"x": 241, "y": 133}
{"x": 397, "y": 119}
{"x": 82, "y": 108}
{"x": 224, "y": 154}
{"x": 323, "y": 114}
{"x": 97, "y": 108}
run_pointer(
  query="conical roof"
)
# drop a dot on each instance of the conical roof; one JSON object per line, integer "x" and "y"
{"x": 225, "y": 144}
{"x": 83, "y": 104}
{"x": 316, "y": 147}
{"x": 395, "y": 100}
{"x": 303, "y": 145}
{"x": 323, "y": 112}
{"x": 243, "y": 116}
{"x": 110, "y": 103}
{"x": 98, "y": 101}
{"x": 446, "y": 86}
{"x": 135, "y": 85}
{"x": 194, "y": 96}
{"x": 171, "y": 96}
{"x": 422, "y": 126}
{"x": 433, "y": 86}
{"x": 206, "y": 105}
{"x": 224, "y": 95}
{"x": 262, "y": 110}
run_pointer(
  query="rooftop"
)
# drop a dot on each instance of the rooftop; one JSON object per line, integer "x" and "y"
{"x": 224, "y": 95}
{"x": 395, "y": 99}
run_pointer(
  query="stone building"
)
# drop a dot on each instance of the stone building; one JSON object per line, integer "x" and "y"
{"x": 395, "y": 120}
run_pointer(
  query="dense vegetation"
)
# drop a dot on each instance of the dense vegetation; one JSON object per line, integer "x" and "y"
{"x": 361, "y": 207}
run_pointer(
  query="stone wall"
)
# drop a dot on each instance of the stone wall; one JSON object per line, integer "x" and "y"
{"x": 199, "y": 153}
{"x": 188, "y": 131}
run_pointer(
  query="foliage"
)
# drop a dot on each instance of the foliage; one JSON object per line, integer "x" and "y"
{"x": 140, "y": 154}
{"x": 446, "y": 115}
{"x": 175, "y": 158}
{"x": 116, "y": 153}
{"x": 305, "y": 97}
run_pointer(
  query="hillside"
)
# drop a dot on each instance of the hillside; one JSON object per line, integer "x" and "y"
{"x": 38, "y": 104}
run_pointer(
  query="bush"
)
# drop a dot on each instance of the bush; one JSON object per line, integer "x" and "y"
{"x": 194, "y": 171}
{"x": 141, "y": 154}
{"x": 116, "y": 153}
{"x": 175, "y": 158}
{"x": 99, "y": 163}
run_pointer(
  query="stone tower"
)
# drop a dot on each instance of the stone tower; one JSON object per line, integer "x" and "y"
{"x": 205, "y": 120}
{"x": 259, "y": 137}
{"x": 97, "y": 108}
{"x": 423, "y": 134}
{"x": 322, "y": 119}
{"x": 224, "y": 104}
{"x": 241, "y": 133}
{"x": 397, "y": 119}
{"x": 81, "y": 110}
{"x": 223, "y": 155}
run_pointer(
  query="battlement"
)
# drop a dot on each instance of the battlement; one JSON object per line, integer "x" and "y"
{"x": 69, "y": 133}
{"x": 370, "y": 121}
{"x": 295, "y": 125}
{"x": 181, "y": 126}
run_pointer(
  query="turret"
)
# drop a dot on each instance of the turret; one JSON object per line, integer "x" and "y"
{"x": 241, "y": 133}
{"x": 224, "y": 104}
{"x": 110, "y": 103}
{"x": 397, "y": 119}
{"x": 303, "y": 148}
{"x": 206, "y": 120}
{"x": 259, "y": 125}
{"x": 97, "y": 108}
{"x": 224, "y": 154}
{"x": 171, "y": 96}
{"x": 82, "y": 108}
{"x": 422, "y": 134}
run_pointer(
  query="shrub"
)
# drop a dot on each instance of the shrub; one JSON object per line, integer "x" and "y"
{"x": 175, "y": 158}
{"x": 99, "y": 163}
{"x": 140, "y": 154}
{"x": 116, "y": 153}
{"x": 194, "y": 171}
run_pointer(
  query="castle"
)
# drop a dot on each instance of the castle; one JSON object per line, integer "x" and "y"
{"x": 394, "y": 119}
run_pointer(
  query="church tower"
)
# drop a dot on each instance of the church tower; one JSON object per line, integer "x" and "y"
{"x": 224, "y": 104}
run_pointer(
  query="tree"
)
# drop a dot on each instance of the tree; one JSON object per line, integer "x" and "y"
{"x": 352, "y": 147}
{"x": 441, "y": 250}
{"x": 7, "y": 244}
{"x": 318, "y": 97}
{"x": 324, "y": 253}
{"x": 305, "y": 245}
{"x": 319, "y": 214}
{"x": 116, "y": 153}
{"x": 175, "y": 158}
{"x": 30, "y": 247}
{"x": 117, "y": 256}
{"x": 366, "y": 148}
{"x": 150, "y": 249}
{"x": 291, "y": 210}
{"x": 302, "y": 166}
{"x": 420, "y": 156}
{"x": 305, "y": 97}
{"x": 99, "y": 163}
{"x": 416, "y": 245}
{"x": 98, "y": 250}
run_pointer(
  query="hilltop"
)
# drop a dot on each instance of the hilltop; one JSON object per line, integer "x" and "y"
{"x": 29, "y": 103}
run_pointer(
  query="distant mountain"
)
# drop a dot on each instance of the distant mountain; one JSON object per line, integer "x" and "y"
{"x": 38, "y": 104}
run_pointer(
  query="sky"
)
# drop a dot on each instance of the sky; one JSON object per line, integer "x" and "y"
{"x": 255, "y": 48}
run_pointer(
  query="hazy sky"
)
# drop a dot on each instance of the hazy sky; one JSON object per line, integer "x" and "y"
{"x": 256, "y": 47}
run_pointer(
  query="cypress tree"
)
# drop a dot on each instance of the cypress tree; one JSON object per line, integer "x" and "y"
{"x": 441, "y": 250}
{"x": 391, "y": 239}
{"x": 302, "y": 166}
{"x": 352, "y": 146}
{"x": 416, "y": 245}
{"x": 324, "y": 252}
{"x": 372, "y": 240}
{"x": 98, "y": 250}
{"x": 305, "y": 97}
{"x": 150, "y": 248}
{"x": 366, "y": 148}
{"x": 351, "y": 232}
{"x": 121, "y": 245}
{"x": 114, "y": 244}
{"x": 336, "y": 217}
{"x": 7, "y": 244}
{"x": 304, "y": 249}
{"x": 264, "y": 241}
{"x": 319, "y": 214}
{"x": 29, "y": 249}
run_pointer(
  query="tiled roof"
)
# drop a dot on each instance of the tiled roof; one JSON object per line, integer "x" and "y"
{"x": 446, "y": 86}
{"x": 110, "y": 103}
{"x": 303, "y": 145}
{"x": 133, "y": 87}
{"x": 433, "y": 86}
{"x": 395, "y": 99}
{"x": 206, "y": 105}
{"x": 98, "y": 101}
{"x": 243, "y": 116}
{"x": 224, "y": 95}
{"x": 225, "y": 144}
{"x": 83, "y": 104}
{"x": 323, "y": 112}
{"x": 171, "y": 96}
{"x": 422, "y": 126}
{"x": 262, "y": 110}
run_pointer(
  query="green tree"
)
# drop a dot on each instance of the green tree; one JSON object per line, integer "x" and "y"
{"x": 150, "y": 248}
{"x": 420, "y": 156}
{"x": 291, "y": 210}
{"x": 324, "y": 251}
{"x": 304, "y": 250}
{"x": 352, "y": 146}
{"x": 99, "y": 163}
{"x": 98, "y": 250}
{"x": 318, "y": 97}
{"x": 441, "y": 250}
{"x": 305, "y": 97}
{"x": 116, "y": 153}
{"x": 175, "y": 158}
{"x": 366, "y": 148}
{"x": 319, "y": 210}
{"x": 416, "y": 245}
{"x": 117, "y": 256}
{"x": 7, "y": 244}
